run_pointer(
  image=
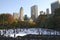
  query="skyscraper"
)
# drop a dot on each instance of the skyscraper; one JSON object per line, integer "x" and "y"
{"x": 55, "y": 5}
{"x": 21, "y": 14}
{"x": 34, "y": 12}
{"x": 47, "y": 11}
{"x": 59, "y": 1}
{"x": 25, "y": 17}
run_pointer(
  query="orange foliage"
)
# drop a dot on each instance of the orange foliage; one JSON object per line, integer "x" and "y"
{"x": 10, "y": 18}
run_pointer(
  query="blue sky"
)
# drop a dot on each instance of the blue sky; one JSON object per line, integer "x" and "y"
{"x": 11, "y": 6}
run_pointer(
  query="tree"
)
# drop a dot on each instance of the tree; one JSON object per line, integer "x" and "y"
{"x": 6, "y": 20}
{"x": 57, "y": 19}
{"x": 57, "y": 12}
{"x": 10, "y": 18}
{"x": 41, "y": 21}
{"x": 3, "y": 18}
{"x": 50, "y": 23}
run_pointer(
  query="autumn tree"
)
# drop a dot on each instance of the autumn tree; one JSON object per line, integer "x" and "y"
{"x": 6, "y": 19}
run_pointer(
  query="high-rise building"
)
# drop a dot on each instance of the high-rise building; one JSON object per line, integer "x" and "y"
{"x": 34, "y": 12}
{"x": 59, "y": 1}
{"x": 21, "y": 14}
{"x": 25, "y": 17}
{"x": 15, "y": 15}
{"x": 47, "y": 11}
{"x": 54, "y": 6}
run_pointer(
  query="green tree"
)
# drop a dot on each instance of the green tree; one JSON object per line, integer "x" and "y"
{"x": 57, "y": 19}
{"x": 50, "y": 23}
{"x": 3, "y": 18}
{"x": 57, "y": 12}
{"x": 41, "y": 21}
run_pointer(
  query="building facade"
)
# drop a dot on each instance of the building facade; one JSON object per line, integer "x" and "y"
{"x": 59, "y": 1}
{"x": 34, "y": 12}
{"x": 26, "y": 18}
{"x": 54, "y": 6}
{"x": 47, "y": 11}
{"x": 15, "y": 15}
{"x": 21, "y": 14}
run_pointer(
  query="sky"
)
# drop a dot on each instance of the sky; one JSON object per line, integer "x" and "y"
{"x": 10, "y": 6}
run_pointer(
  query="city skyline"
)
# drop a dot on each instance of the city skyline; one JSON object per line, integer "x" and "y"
{"x": 5, "y": 5}
{"x": 43, "y": 16}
